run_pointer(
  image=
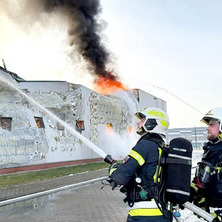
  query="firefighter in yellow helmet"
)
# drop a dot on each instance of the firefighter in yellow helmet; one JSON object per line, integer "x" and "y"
{"x": 137, "y": 171}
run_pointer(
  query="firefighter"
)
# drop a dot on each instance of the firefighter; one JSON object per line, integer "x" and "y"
{"x": 207, "y": 183}
{"x": 137, "y": 172}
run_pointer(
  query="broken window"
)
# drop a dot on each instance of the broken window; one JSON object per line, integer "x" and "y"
{"x": 109, "y": 127}
{"x": 6, "y": 123}
{"x": 80, "y": 126}
{"x": 39, "y": 122}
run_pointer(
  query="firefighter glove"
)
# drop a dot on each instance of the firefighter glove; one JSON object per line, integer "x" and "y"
{"x": 193, "y": 192}
{"x": 112, "y": 168}
{"x": 197, "y": 196}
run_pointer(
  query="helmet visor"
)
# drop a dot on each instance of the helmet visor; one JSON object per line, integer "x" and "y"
{"x": 140, "y": 115}
{"x": 207, "y": 119}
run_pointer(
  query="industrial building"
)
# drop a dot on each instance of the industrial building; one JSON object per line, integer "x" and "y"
{"x": 30, "y": 136}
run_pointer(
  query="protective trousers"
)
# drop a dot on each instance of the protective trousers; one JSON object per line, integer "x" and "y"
{"x": 146, "y": 211}
{"x": 148, "y": 219}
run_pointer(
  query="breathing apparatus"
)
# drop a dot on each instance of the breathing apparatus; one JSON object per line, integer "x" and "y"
{"x": 204, "y": 173}
{"x": 206, "y": 170}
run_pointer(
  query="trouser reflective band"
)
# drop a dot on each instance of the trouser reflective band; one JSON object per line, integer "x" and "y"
{"x": 145, "y": 212}
{"x": 144, "y": 205}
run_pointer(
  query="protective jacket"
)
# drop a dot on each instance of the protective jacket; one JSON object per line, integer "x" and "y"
{"x": 137, "y": 175}
{"x": 213, "y": 155}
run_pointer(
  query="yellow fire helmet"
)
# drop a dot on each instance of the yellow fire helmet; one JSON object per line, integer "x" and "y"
{"x": 156, "y": 121}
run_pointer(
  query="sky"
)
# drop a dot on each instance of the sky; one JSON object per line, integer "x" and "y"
{"x": 168, "y": 48}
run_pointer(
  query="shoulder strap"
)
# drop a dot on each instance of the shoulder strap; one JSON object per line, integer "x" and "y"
{"x": 159, "y": 193}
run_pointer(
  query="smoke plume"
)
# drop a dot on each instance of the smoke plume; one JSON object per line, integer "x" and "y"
{"x": 84, "y": 27}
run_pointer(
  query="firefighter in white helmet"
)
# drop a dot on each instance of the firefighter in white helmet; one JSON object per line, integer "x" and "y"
{"x": 207, "y": 184}
{"x": 137, "y": 171}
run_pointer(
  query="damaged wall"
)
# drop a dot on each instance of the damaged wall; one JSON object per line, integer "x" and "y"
{"x": 28, "y": 143}
{"x": 35, "y": 137}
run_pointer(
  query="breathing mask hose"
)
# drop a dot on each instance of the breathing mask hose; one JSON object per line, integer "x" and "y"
{"x": 108, "y": 159}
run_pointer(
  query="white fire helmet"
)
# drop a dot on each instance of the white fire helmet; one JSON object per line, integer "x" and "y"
{"x": 214, "y": 114}
{"x": 156, "y": 121}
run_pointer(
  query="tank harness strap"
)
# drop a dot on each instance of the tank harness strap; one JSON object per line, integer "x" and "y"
{"x": 178, "y": 161}
{"x": 160, "y": 180}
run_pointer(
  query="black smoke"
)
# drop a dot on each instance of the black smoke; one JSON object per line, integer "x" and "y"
{"x": 84, "y": 30}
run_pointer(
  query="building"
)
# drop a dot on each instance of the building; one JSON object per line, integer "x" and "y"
{"x": 196, "y": 135}
{"x": 45, "y": 122}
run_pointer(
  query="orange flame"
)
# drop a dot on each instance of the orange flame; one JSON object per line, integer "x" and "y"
{"x": 130, "y": 129}
{"x": 106, "y": 86}
{"x": 109, "y": 127}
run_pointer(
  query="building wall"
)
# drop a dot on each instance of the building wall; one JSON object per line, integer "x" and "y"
{"x": 37, "y": 137}
{"x": 147, "y": 100}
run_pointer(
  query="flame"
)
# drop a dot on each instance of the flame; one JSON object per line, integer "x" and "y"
{"x": 109, "y": 127}
{"x": 130, "y": 128}
{"x": 106, "y": 85}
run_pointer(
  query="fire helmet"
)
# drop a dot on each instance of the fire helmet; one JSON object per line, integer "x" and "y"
{"x": 156, "y": 121}
{"x": 214, "y": 114}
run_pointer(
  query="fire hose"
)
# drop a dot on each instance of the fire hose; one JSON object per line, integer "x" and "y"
{"x": 198, "y": 211}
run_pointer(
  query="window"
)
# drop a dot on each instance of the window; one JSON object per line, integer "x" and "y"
{"x": 109, "y": 127}
{"x": 80, "y": 126}
{"x": 39, "y": 122}
{"x": 6, "y": 123}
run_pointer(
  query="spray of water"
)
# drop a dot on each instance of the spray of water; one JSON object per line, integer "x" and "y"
{"x": 170, "y": 93}
{"x": 69, "y": 128}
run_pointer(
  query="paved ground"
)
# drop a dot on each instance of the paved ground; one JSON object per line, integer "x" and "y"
{"x": 85, "y": 204}
{"x": 12, "y": 192}
{"x": 89, "y": 203}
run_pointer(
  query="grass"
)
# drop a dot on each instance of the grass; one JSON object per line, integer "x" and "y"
{"x": 29, "y": 177}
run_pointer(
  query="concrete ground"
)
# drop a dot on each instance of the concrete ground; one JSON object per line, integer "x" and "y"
{"x": 88, "y": 203}
{"x": 16, "y": 191}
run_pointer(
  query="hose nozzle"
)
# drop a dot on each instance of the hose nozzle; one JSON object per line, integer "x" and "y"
{"x": 108, "y": 159}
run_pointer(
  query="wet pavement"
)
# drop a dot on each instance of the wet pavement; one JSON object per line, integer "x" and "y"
{"x": 88, "y": 203}
{"x": 39, "y": 186}
{"x": 85, "y": 204}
